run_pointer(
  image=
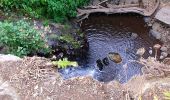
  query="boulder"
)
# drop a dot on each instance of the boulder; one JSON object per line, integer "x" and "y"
{"x": 163, "y": 15}
{"x": 9, "y": 57}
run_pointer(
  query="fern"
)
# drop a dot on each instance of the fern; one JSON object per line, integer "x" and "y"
{"x": 64, "y": 63}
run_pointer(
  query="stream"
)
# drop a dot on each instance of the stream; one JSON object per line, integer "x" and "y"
{"x": 120, "y": 33}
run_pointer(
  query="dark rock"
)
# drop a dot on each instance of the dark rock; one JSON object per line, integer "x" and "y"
{"x": 106, "y": 61}
{"x": 99, "y": 64}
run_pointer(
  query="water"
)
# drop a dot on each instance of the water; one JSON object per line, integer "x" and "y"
{"x": 123, "y": 34}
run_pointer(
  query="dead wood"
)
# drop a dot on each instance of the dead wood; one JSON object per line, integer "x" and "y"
{"x": 112, "y": 9}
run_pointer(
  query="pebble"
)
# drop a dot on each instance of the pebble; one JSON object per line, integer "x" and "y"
{"x": 150, "y": 50}
{"x": 155, "y": 34}
{"x": 134, "y": 35}
{"x": 163, "y": 55}
{"x": 164, "y": 49}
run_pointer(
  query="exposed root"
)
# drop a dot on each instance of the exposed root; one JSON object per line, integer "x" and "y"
{"x": 106, "y": 7}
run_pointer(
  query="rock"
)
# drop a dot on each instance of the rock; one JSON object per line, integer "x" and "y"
{"x": 156, "y": 26}
{"x": 115, "y": 57}
{"x": 106, "y": 61}
{"x": 9, "y": 57}
{"x": 134, "y": 35}
{"x": 147, "y": 19}
{"x": 165, "y": 49}
{"x": 164, "y": 15}
{"x": 163, "y": 55}
{"x": 156, "y": 34}
{"x": 99, "y": 64}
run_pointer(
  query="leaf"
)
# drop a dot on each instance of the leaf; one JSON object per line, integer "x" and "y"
{"x": 155, "y": 98}
{"x": 64, "y": 63}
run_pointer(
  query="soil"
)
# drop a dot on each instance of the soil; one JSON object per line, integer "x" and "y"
{"x": 31, "y": 79}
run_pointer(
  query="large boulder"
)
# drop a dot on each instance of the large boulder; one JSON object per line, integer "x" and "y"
{"x": 164, "y": 15}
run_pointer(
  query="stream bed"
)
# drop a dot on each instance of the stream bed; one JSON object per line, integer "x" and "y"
{"x": 120, "y": 33}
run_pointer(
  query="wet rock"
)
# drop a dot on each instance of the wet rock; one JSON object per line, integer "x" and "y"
{"x": 9, "y": 57}
{"x": 115, "y": 57}
{"x": 156, "y": 34}
{"x": 147, "y": 19}
{"x": 99, "y": 64}
{"x": 106, "y": 61}
{"x": 164, "y": 15}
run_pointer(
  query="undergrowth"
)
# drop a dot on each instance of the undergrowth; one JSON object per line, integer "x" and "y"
{"x": 58, "y": 10}
{"x": 21, "y": 39}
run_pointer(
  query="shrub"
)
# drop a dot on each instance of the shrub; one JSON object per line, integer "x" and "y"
{"x": 21, "y": 38}
{"x": 59, "y": 10}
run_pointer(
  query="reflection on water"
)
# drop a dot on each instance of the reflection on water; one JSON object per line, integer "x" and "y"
{"x": 123, "y": 34}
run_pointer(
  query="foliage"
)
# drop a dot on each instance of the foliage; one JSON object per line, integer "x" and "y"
{"x": 64, "y": 63}
{"x": 68, "y": 38}
{"x": 59, "y": 10}
{"x": 167, "y": 95}
{"x": 21, "y": 38}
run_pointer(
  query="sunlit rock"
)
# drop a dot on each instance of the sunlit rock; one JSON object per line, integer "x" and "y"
{"x": 164, "y": 15}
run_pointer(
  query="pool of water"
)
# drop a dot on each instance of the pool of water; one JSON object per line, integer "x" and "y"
{"x": 120, "y": 33}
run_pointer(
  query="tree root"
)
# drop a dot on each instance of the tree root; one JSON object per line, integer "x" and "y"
{"x": 105, "y": 7}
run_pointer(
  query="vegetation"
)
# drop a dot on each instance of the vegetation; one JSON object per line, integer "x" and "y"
{"x": 59, "y": 10}
{"x": 64, "y": 63}
{"x": 21, "y": 38}
{"x": 167, "y": 95}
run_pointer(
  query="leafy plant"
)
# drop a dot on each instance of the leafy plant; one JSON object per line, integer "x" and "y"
{"x": 59, "y": 10}
{"x": 64, "y": 63}
{"x": 21, "y": 38}
{"x": 167, "y": 95}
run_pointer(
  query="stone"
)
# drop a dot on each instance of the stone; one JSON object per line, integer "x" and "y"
{"x": 163, "y": 15}
{"x": 165, "y": 49}
{"x": 115, "y": 57}
{"x": 99, "y": 64}
{"x": 163, "y": 55}
{"x": 9, "y": 57}
{"x": 134, "y": 35}
{"x": 106, "y": 61}
{"x": 155, "y": 34}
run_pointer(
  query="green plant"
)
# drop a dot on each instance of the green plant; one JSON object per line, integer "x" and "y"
{"x": 64, "y": 63}
{"x": 167, "y": 95}
{"x": 21, "y": 38}
{"x": 68, "y": 38}
{"x": 59, "y": 10}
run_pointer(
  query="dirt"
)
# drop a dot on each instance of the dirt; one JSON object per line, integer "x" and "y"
{"x": 32, "y": 79}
